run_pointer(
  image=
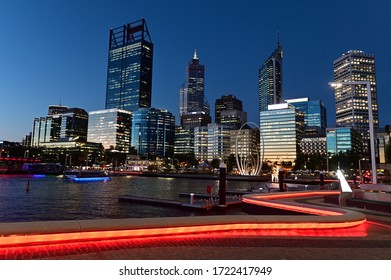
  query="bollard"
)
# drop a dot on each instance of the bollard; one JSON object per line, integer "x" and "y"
{"x": 222, "y": 185}
{"x": 192, "y": 198}
{"x": 281, "y": 179}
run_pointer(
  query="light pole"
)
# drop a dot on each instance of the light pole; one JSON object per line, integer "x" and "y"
{"x": 370, "y": 119}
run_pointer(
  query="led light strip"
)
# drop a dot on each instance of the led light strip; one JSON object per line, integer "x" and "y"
{"x": 113, "y": 234}
{"x": 343, "y": 219}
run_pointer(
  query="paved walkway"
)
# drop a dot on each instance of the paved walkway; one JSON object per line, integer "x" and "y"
{"x": 371, "y": 240}
{"x": 293, "y": 244}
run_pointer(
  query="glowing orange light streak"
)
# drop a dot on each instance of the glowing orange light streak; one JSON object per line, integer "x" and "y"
{"x": 103, "y": 235}
{"x": 295, "y": 208}
{"x": 343, "y": 219}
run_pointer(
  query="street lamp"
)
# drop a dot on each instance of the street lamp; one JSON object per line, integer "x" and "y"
{"x": 370, "y": 115}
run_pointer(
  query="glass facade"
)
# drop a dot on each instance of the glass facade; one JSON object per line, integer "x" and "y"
{"x": 343, "y": 139}
{"x": 72, "y": 123}
{"x": 194, "y": 110}
{"x": 184, "y": 141}
{"x": 201, "y": 143}
{"x": 211, "y": 142}
{"x": 153, "y": 132}
{"x": 270, "y": 80}
{"x": 191, "y": 95}
{"x": 110, "y": 127}
{"x": 129, "y": 74}
{"x": 281, "y": 130}
{"x": 315, "y": 116}
{"x": 351, "y": 101}
{"x": 247, "y": 141}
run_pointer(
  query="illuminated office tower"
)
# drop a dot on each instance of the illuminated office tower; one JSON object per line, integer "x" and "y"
{"x": 129, "y": 73}
{"x": 71, "y": 123}
{"x": 111, "y": 127}
{"x": 153, "y": 132}
{"x": 351, "y": 101}
{"x": 281, "y": 128}
{"x": 193, "y": 107}
{"x": 270, "y": 80}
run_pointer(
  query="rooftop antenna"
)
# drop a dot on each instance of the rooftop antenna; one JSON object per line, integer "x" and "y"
{"x": 195, "y": 55}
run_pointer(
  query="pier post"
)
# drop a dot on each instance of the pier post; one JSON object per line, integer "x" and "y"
{"x": 281, "y": 179}
{"x": 222, "y": 185}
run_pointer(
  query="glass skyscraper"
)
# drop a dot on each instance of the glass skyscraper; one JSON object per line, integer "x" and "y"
{"x": 129, "y": 73}
{"x": 153, "y": 132}
{"x": 192, "y": 97}
{"x": 270, "y": 80}
{"x": 351, "y": 101}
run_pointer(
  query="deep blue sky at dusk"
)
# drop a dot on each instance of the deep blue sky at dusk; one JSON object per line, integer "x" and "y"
{"x": 56, "y": 51}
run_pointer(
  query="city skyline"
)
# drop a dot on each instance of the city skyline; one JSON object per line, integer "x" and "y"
{"x": 49, "y": 58}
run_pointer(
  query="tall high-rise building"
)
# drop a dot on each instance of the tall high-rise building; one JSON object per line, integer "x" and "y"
{"x": 270, "y": 80}
{"x": 351, "y": 101}
{"x": 191, "y": 95}
{"x": 129, "y": 73}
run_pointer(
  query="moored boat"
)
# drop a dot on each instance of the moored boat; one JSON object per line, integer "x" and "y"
{"x": 86, "y": 175}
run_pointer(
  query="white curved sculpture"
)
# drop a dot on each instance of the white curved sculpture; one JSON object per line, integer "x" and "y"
{"x": 249, "y": 164}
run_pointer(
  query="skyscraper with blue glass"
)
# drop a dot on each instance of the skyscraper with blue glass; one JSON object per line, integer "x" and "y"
{"x": 270, "y": 80}
{"x": 315, "y": 114}
{"x": 153, "y": 132}
{"x": 129, "y": 73}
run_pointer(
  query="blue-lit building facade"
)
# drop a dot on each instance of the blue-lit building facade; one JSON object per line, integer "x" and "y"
{"x": 315, "y": 115}
{"x": 129, "y": 73}
{"x": 281, "y": 129}
{"x": 343, "y": 139}
{"x": 111, "y": 127}
{"x": 270, "y": 80}
{"x": 153, "y": 132}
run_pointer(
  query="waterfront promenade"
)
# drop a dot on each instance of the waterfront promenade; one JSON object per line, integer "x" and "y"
{"x": 369, "y": 240}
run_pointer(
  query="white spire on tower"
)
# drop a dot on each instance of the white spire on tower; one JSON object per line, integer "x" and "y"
{"x": 195, "y": 55}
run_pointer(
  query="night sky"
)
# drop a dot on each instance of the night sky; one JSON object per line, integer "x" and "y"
{"x": 56, "y": 52}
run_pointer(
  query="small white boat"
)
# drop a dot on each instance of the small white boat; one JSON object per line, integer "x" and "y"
{"x": 86, "y": 175}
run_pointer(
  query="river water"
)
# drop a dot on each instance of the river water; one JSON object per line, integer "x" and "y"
{"x": 52, "y": 198}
